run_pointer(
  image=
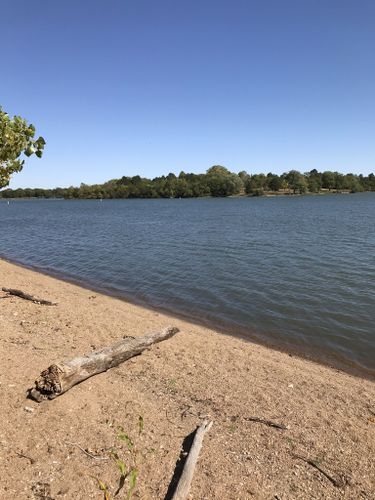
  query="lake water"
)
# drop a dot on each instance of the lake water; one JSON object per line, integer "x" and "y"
{"x": 296, "y": 272}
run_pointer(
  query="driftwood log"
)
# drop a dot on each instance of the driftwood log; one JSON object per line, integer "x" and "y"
{"x": 26, "y": 296}
{"x": 59, "y": 378}
{"x": 183, "y": 487}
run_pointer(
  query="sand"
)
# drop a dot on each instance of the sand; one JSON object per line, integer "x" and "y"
{"x": 199, "y": 373}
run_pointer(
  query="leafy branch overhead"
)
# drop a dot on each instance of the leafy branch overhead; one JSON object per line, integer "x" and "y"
{"x": 16, "y": 139}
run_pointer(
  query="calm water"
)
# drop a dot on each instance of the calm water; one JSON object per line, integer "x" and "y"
{"x": 298, "y": 272}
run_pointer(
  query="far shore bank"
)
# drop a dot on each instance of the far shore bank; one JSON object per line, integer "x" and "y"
{"x": 265, "y": 194}
{"x": 200, "y": 373}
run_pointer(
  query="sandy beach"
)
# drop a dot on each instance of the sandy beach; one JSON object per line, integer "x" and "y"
{"x": 62, "y": 448}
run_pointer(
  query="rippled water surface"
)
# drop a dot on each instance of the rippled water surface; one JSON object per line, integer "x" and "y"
{"x": 293, "y": 271}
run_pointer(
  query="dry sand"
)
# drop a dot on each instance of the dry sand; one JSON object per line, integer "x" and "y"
{"x": 330, "y": 416}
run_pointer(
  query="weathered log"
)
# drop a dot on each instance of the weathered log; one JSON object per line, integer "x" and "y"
{"x": 60, "y": 377}
{"x": 183, "y": 487}
{"x": 26, "y": 296}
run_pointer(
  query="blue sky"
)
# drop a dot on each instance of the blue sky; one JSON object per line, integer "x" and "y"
{"x": 147, "y": 87}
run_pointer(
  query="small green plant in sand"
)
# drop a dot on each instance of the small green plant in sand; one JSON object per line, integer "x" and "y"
{"x": 127, "y": 467}
{"x": 103, "y": 487}
{"x": 171, "y": 383}
{"x": 291, "y": 442}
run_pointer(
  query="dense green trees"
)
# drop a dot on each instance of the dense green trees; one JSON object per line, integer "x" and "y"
{"x": 221, "y": 182}
{"x": 296, "y": 182}
{"x": 16, "y": 139}
{"x": 328, "y": 180}
{"x": 217, "y": 181}
{"x": 255, "y": 184}
{"x": 314, "y": 181}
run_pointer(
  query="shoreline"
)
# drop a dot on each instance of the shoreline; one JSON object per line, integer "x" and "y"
{"x": 318, "y": 356}
{"x": 199, "y": 373}
{"x": 266, "y": 194}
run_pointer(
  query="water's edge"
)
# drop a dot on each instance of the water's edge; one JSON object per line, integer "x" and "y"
{"x": 319, "y": 356}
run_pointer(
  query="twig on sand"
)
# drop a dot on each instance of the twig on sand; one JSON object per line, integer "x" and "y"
{"x": 86, "y": 452}
{"x": 21, "y": 455}
{"x": 339, "y": 482}
{"x": 26, "y": 296}
{"x": 270, "y": 423}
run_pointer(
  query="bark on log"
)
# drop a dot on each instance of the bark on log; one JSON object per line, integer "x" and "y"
{"x": 26, "y": 296}
{"x": 183, "y": 487}
{"x": 60, "y": 377}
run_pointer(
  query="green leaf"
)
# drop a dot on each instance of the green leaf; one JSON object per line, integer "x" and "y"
{"x": 29, "y": 151}
{"x": 30, "y": 131}
{"x": 39, "y": 153}
{"x": 126, "y": 438}
{"x": 41, "y": 142}
{"x": 132, "y": 482}
{"x": 121, "y": 466}
{"x": 102, "y": 485}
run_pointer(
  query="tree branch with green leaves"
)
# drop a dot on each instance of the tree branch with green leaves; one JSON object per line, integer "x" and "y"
{"x": 16, "y": 139}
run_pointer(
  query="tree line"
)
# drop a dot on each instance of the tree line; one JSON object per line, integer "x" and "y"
{"x": 218, "y": 181}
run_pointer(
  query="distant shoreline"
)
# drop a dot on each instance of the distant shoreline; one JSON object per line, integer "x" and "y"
{"x": 264, "y": 195}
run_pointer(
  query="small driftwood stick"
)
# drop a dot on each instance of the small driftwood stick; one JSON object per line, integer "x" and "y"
{"x": 26, "y": 296}
{"x": 339, "y": 483}
{"x": 86, "y": 452}
{"x": 59, "y": 378}
{"x": 183, "y": 487}
{"x": 270, "y": 423}
{"x": 21, "y": 455}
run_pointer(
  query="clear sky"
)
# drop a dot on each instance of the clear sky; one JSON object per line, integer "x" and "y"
{"x": 126, "y": 87}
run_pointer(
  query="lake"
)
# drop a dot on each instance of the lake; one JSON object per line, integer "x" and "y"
{"x": 293, "y": 272}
